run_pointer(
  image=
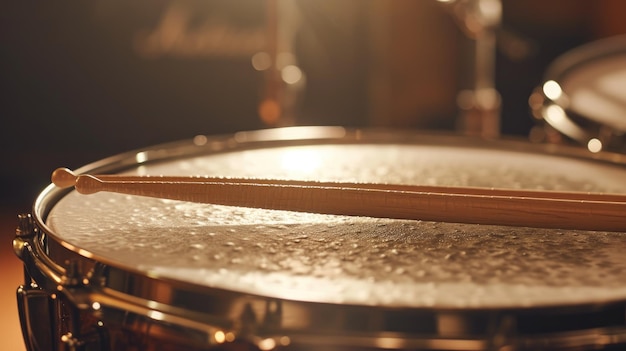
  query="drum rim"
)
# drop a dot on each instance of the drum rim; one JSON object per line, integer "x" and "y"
{"x": 261, "y": 139}
{"x": 570, "y": 122}
{"x": 46, "y": 200}
{"x": 584, "y": 54}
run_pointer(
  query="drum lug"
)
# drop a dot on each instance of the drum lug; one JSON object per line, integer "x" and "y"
{"x": 39, "y": 313}
{"x": 248, "y": 320}
{"x": 35, "y": 305}
{"x": 25, "y": 226}
{"x": 35, "y": 310}
{"x": 93, "y": 341}
{"x": 25, "y": 231}
{"x": 23, "y": 247}
{"x": 503, "y": 334}
{"x": 97, "y": 276}
{"x": 48, "y": 321}
{"x": 271, "y": 319}
{"x": 251, "y": 328}
{"x": 72, "y": 276}
{"x": 273, "y": 314}
{"x": 71, "y": 342}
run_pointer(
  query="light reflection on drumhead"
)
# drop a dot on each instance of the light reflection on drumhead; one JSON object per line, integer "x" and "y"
{"x": 300, "y": 161}
{"x": 360, "y": 260}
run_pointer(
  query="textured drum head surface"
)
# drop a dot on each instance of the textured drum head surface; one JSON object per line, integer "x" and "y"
{"x": 356, "y": 260}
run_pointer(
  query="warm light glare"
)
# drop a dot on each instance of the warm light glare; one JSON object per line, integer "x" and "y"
{"x": 491, "y": 10}
{"x": 200, "y": 140}
{"x": 141, "y": 157}
{"x": 552, "y": 90}
{"x": 261, "y": 61}
{"x": 594, "y": 145}
{"x": 487, "y": 98}
{"x": 285, "y": 341}
{"x": 267, "y": 344}
{"x": 555, "y": 114}
{"x": 96, "y": 306}
{"x": 156, "y": 315}
{"x": 389, "y": 343}
{"x": 300, "y": 161}
{"x": 291, "y": 74}
{"x": 269, "y": 111}
{"x": 220, "y": 337}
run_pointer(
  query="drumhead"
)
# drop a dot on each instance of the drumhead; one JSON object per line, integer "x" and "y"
{"x": 351, "y": 260}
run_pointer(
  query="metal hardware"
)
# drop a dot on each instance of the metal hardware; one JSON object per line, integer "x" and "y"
{"x": 72, "y": 277}
{"x": 25, "y": 230}
{"x": 273, "y": 314}
{"x": 35, "y": 310}
{"x": 26, "y": 227}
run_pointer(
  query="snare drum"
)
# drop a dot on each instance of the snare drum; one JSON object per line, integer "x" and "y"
{"x": 117, "y": 272}
{"x": 583, "y": 96}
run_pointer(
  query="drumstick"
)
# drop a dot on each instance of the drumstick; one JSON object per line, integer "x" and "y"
{"x": 545, "y": 209}
{"x": 63, "y": 177}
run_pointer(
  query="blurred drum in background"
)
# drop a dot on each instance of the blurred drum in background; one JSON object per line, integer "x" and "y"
{"x": 583, "y": 97}
{"x": 117, "y": 272}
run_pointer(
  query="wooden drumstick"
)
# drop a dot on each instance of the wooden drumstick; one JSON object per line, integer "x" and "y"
{"x": 546, "y": 209}
{"x": 64, "y": 178}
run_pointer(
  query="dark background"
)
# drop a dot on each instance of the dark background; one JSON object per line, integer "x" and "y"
{"x": 76, "y": 86}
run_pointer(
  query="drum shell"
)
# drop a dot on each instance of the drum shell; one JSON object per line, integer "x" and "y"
{"x": 106, "y": 305}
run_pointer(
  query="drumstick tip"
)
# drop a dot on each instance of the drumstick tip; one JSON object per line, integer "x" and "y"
{"x": 63, "y": 177}
{"x": 87, "y": 184}
{"x": 84, "y": 183}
